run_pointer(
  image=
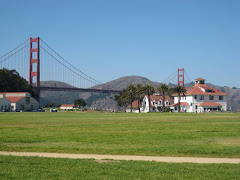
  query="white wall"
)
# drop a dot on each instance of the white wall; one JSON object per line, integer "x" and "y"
{"x": 5, "y": 104}
{"x": 196, "y": 102}
{"x": 32, "y": 105}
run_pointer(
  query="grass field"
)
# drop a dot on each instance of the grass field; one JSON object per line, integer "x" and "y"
{"x": 158, "y": 134}
{"x": 50, "y": 168}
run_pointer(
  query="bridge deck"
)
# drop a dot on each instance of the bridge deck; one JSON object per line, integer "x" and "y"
{"x": 78, "y": 89}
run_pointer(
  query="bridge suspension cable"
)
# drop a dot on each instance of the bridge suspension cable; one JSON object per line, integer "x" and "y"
{"x": 14, "y": 49}
{"x": 72, "y": 68}
{"x": 189, "y": 80}
{"x": 97, "y": 82}
{"x": 169, "y": 78}
{"x": 66, "y": 66}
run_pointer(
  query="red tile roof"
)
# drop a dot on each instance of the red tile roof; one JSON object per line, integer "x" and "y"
{"x": 158, "y": 98}
{"x": 198, "y": 89}
{"x": 67, "y": 105}
{"x": 13, "y": 92}
{"x": 134, "y": 104}
{"x": 211, "y": 104}
{"x": 14, "y": 99}
{"x": 200, "y": 79}
{"x": 181, "y": 104}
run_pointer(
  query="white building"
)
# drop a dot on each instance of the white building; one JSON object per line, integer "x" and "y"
{"x": 18, "y": 100}
{"x": 67, "y": 106}
{"x": 200, "y": 98}
{"x": 156, "y": 104}
{"x": 5, "y": 104}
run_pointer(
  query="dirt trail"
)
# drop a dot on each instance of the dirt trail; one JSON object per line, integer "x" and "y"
{"x": 128, "y": 157}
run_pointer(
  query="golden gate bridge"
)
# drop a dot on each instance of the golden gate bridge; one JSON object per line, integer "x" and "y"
{"x": 36, "y": 61}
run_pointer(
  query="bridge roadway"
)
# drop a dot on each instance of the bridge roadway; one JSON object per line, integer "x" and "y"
{"x": 78, "y": 90}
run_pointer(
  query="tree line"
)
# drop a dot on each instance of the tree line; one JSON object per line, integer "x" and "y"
{"x": 11, "y": 81}
{"x": 137, "y": 92}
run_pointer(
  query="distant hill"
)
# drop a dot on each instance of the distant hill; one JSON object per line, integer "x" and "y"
{"x": 106, "y": 101}
{"x": 55, "y": 84}
{"x": 123, "y": 82}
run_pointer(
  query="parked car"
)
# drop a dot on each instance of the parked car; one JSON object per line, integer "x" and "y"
{"x": 5, "y": 110}
{"x": 53, "y": 110}
{"x": 41, "y": 110}
{"x": 17, "y": 110}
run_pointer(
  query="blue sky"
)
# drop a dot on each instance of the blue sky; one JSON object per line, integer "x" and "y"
{"x": 108, "y": 39}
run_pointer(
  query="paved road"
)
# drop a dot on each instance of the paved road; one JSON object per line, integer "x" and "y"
{"x": 129, "y": 157}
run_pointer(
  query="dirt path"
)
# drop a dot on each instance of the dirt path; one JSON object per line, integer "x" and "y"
{"x": 128, "y": 157}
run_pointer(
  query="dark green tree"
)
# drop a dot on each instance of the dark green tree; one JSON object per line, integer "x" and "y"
{"x": 131, "y": 90}
{"x": 11, "y": 81}
{"x": 163, "y": 89}
{"x": 51, "y": 104}
{"x": 140, "y": 94}
{"x": 122, "y": 99}
{"x": 79, "y": 103}
{"x": 149, "y": 90}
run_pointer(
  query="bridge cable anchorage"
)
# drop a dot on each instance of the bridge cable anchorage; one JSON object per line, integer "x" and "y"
{"x": 92, "y": 79}
{"x": 14, "y": 49}
{"x": 14, "y": 53}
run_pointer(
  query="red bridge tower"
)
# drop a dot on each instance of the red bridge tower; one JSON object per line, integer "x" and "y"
{"x": 181, "y": 77}
{"x": 34, "y": 63}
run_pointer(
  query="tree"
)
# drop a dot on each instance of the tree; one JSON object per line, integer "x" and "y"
{"x": 122, "y": 99}
{"x": 79, "y": 103}
{"x": 163, "y": 90}
{"x": 149, "y": 90}
{"x": 11, "y": 81}
{"x": 51, "y": 104}
{"x": 179, "y": 90}
{"x": 131, "y": 90}
{"x": 139, "y": 94}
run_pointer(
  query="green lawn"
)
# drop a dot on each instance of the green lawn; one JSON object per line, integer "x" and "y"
{"x": 158, "y": 134}
{"x": 50, "y": 168}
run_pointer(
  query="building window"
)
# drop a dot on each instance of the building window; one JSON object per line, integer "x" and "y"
{"x": 220, "y": 97}
{"x": 153, "y": 102}
{"x": 201, "y": 97}
{"x": 160, "y": 102}
{"x": 195, "y": 96}
{"x": 211, "y": 97}
{"x": 167, "y": 103}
